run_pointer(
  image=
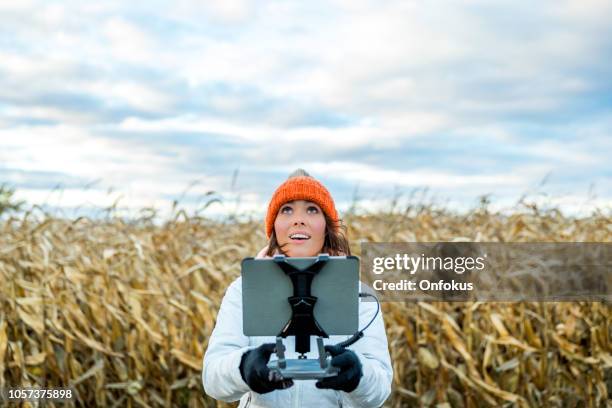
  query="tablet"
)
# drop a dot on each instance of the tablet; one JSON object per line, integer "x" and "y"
{"x": 265, "y": 289}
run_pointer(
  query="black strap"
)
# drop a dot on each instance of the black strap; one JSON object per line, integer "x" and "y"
{"x": 302, "y": 323}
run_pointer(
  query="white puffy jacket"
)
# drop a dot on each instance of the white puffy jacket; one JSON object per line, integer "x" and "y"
{"x": 221, "y": 373}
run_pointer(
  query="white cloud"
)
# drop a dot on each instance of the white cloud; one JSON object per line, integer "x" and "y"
{"x": 28, "y": 67}
{"x": 59, "y": 114}
{"x": 226, "y": 12}
{"x": 128, "y": 41}
{"x": 471, "y": 71}
{"x": 136, "y": 95}
{"x": 358, "y": 135}
{"x": 582, "y": 10}
{"x": 565, "y": 153}
{"x": 130, "y": 167}
{"x": 373, "y": 175}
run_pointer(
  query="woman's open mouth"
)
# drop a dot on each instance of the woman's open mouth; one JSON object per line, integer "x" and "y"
{"x": 299, "y": 237}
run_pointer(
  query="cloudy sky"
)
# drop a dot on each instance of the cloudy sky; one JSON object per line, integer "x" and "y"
{"x": 143, "y": 103}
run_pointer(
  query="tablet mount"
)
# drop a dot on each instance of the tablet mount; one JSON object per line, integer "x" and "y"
{"x": 302, "y": 325}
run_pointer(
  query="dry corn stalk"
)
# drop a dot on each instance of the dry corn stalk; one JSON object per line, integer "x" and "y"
{"x": 122, "y": 312}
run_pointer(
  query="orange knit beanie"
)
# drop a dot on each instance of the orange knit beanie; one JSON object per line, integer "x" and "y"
{"x": 301, "y": 187}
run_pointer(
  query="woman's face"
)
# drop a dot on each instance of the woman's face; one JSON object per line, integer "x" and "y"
{"x": 301, "y": 225}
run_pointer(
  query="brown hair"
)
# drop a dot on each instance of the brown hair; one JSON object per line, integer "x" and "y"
{"x": 335, "y": 243}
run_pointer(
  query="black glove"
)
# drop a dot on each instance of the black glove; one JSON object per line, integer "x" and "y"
{"x": 350, "y": 370}
{"x": 255, "y": 372}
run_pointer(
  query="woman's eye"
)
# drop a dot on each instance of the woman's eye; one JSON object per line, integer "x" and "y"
{"x": 285, "y": 209}
{"x": 313, "y": 209}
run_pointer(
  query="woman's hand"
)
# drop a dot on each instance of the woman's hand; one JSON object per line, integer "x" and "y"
{"x": 262, "y": 253}
{"x": 255, "y": 372}
{"x": 350, "y": 370}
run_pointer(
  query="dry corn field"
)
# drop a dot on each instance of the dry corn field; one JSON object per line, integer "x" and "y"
{"x": 122, "y": 311}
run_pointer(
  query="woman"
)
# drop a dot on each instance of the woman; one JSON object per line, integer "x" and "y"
{"x": 301, "y": 222}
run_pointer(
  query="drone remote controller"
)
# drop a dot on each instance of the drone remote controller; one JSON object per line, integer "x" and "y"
{"x": 302, "y": 368}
